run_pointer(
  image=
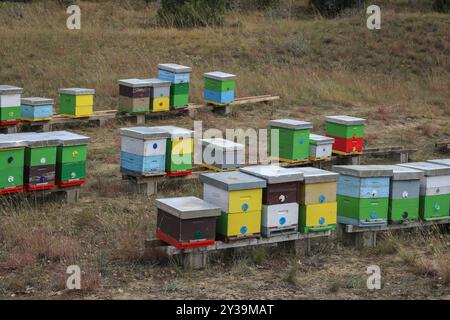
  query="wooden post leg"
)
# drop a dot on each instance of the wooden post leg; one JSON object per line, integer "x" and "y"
{"x": 192, "y": 113}
{"x": 404, "y": 157}
{"x": 11, "y": 129}
{"x": 302, "y": 247}
{"x": 73, "y": 195}
{"x": 355, "y": 160}
{"x": 228, "y": 109}
{"x": 46, "y": 127}
{"x": 147, "y": 188}
{"x": 366, "y": 239}
{"x": 195, "y": 260}
{"x": 140, "y": 119}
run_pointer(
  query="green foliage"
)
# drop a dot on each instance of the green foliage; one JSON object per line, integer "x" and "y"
{"x": 191, "y": 13}
{"x": 332, "y": 8}
{"x": 442, "y": 6}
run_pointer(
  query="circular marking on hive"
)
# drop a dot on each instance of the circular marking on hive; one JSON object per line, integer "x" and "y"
{"x": 322, "y": 198}
{"x": 245, "y": 207}
{"x": 155, "y": 146}
{"x": 73, "y": 175}
{"x": 282, "y": 220}
{"x": 43, "y": 160}
{"x": 373, "y": 215}
{"x": 10, "y": 179}
{"x": 322, "y": 221}
{"x": 282, "y": 198}
{"x": 405, "y": 194}
{"x": 243, "y": 230}
{"x": 74, "y": 153}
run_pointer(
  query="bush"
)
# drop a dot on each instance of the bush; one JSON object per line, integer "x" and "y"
{"x": 191, "y": 13}
{"x": 332, "y": 8}
{"x": 244, "y": 5}
{"x": 442, "y": 6}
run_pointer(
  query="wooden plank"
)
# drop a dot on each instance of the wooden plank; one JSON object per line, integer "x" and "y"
{"x": 442, "y": 145}
{"x": 219, "y": 245}
{"x": 390, "y": 227}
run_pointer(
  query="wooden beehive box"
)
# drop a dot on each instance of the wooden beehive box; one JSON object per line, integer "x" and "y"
{"x": 37, "y": 109}
{"x": 76, "y": 102}
{"x": 10, "y": 109}
{"x": 12, "y": 155}
{"x": 363, "y": 194}
{"x": 219, "y": 87}
{"x": 280, "y": 198}
{"x": 221, "y": 153}
{"x": 434, "y": 190}
{"x": 159, "y": 95}
{"x": 71, "y": 158}
{"x": 143, "y": 151}
{"x": 404, "y": 194}
{"x": 348, "y": 133}
{"x": 134, "y": 96}
{"x": 186, "y": 222}
{"x": 179, "y": 77}
{"x": 317, "y": 198}
{"x": 40, "y": 160}
{"x": 179, "y": 150}
{"x": 239, "y": 196}
{"x": 290, "y": 139}
{"x": 320, "y": 147}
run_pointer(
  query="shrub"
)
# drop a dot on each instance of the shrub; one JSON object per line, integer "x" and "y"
{"x": 332, "y": 8}
{"x": 191, "y": 13}
{"x": 442, "y": 6}
{"x": 244, "y": 5}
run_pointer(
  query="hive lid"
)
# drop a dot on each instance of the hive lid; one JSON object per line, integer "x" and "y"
{"x": 429, "y": 169}
{"x": 175, "y": 68}
{"x": 320, "y": 140}
{"x": 274, "y": 174}
{"x": 11, "y": 141}
{"x": 365, "y": 171}
{"x": 443, "y": 162}
{"x": 177, "y": 132}
{"x": 66, "y": 138}
{"x": 219, "y": 75}
{"x": 34, "y": 139}
{"x": 134, "y": 83}
{"x": 6, "y": 89}
{"x": 144, "y": 133}
{"x": 291, "y": 124}
{"x": 232, "y": 181}
{"x": 77, "y": 91}
{"x": 188, "y": 207}
{"x": 157, "y": 83}
{"x": 315, "y": 175}
{"x": 36, "y": 101}
{"x": 404, "y": 173}
{"x": 347, "y": 120}
{"x": 222, "y": 144}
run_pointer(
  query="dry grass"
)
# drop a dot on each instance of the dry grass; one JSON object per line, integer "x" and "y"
{"x": 396, "y": 78}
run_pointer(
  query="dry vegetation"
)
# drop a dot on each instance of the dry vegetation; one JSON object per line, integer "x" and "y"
{"x": 397, "y": 78}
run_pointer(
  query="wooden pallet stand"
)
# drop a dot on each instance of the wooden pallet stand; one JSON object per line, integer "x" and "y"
{"x": 342, "y": 158}
{"x": 197, "y": 258}
{"x": 68, "y": 194}
{"x": 7, "y": 129}
{"x": 397, "y": 153}
{"x": 99, "y": 118}
{"x": 443, "y": 146}
{"x": 36, "y": 126}
{"x": 366, "y": 237}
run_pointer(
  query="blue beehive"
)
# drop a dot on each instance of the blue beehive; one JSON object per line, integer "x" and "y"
{"x": 219, "y": 87}
{"x": 174, "y": 73}
{"x": 143, "y": 151}
{"x": 37, "y": 109}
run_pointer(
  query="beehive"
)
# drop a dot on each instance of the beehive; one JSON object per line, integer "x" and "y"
{"x": 404, "y": 194}
{"x": 179, "y": 150}
{"x": 40, "y": 160}
{"x": 221, "y": 153}
{"x": 290, "y": 139}
{"x": 12, "y": 154}
{"x": 219, "y": 87}
{"x": 76, "y": 102}
{"x": 71, "y": 158}
{"x": 37, "y": 109}
{"x": 348, "y": 133}
{"x": 363, "y": 194}
{"x": 320, "y": 147}
{"x": 179, "y": 77}
{"x": 434, "y": 190}
{"x": 239, "y": 196}
{"x": 443, "y": 162}
{"x": 186, "y": 222}
{"x": 317, "y": 199}
{"x": 10, "y": 109}
{"x": 134, "y": 96}
{"x": 143, "y": 151}
{"x": 159, "y": 95}
{"x": 280, "y": 208}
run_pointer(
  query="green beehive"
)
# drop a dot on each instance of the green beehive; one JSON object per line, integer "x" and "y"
{"x": 179, "y": 150}
{"x": 12, "y": 152}
{"x": 290, "y": 139}
{"x": 70, "y": 158}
